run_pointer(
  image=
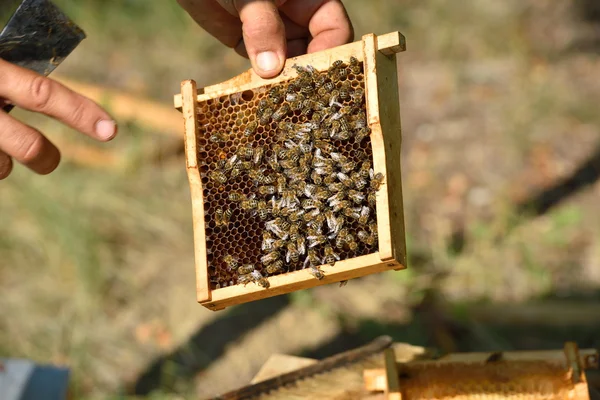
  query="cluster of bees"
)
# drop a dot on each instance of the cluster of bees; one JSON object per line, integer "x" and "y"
{"x": 306, "y": 192}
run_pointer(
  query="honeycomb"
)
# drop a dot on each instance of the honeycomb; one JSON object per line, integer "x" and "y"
{"x": 226, "y": 126}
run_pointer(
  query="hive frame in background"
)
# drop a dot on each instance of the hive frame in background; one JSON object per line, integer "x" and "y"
{"x": 383, "y": 116}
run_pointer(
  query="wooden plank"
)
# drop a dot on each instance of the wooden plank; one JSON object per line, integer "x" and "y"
{"x": 392, "y": 386}
{"x": 375, "y": 380}
{"x": 381, "y": 80}
{"x": 379, "y": 155}
{"x": 279, "y": 364}
{"x": 123, "y": 106}
{"x": 298, "y": 280}
{"x": 391, "y": 42}
{"x": 190, "y": 122}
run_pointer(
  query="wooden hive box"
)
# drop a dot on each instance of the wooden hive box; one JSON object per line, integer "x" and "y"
{"x": 230, "y": 106}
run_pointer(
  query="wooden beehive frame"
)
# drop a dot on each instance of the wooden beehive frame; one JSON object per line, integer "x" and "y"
{"x": 382, "y": 103}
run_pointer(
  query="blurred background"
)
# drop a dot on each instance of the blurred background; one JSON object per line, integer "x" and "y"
{"x": 501, "y": 125}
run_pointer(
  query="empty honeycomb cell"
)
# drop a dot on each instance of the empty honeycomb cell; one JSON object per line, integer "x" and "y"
{"x": 247, "y": 95}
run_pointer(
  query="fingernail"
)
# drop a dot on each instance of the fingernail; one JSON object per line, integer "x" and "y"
{"x": 267, "y": 61}
{"x": 106, "y": 129}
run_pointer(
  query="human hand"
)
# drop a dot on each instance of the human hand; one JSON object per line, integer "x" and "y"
{"x": 37, "y": 93}
{"x": 269, "y": 31}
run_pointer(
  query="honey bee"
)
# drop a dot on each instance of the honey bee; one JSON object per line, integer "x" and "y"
{"x": 336, "y": 187}
{"x": 262, "y": 106}
{"x": 296, "y": 105}
{"x": 316, "y": 240}
{"x": 342, "y": 73}
{"x": 279, "y": 227}
{"x": 333, "y": 69}
{"x": 319, "y": 80}
{"x": 267, "y": 190}
{"x": 250, "y": 128}
{"x": 296, "y": 215}
{"x": 222, "y": 217}
{"x": 345, "y": 92}
{"x": 320, "y": 193}
{"x": 356, "y": 196}
{"x": 275, "y": 95}
{"x": 232, "y": 262}
{"x": 351, "y": 242}
{"x": 270, "y": 258}
{"x": 262, "y": 210}
{"x": 373, "y": 229}
{"x": 358, "y": 96}
{"x": 345, "y": 179}
{"x": 330, "y": 256}
{"x": 376, "y": 180}
{"x": 351, "y": 212}
{"x": 259, "y": 279}
{"x": 326, "y": 169}
{"x": 301, "y": 245}
{"x": 247, "y": 165}
{"x": 316, "y": 178}
{"x": 288, "y": 198}
{"x": 218, "y": 137}
{"x": 316, "y": 272}
{"x": 245, "y": 152}
{"x": 307, "y": 106}
{"x": 292, "y": 253}
{"x": 348, "y": 166}
{"x": 291, "y": 96}
{"x": 365, "y": 213}
{"x": 245, "y": 269}
{"x": 329, "y": 86}
{"x": 288, "y": 164}
{"x": 273, "y": 163}
{"x": 249, "y": 204}
{"x": 362, "y": 134}
{"x": 307, "y": 204}
{"x": 266, "y": 115}
{"x": 355, "y": 65}
{"x": 306, "y": 87}
{"x": 291, "y": 88}
{"x": 300, "y": 70}
{"x": 324, "y": 146}
{"x": 317, "y": 222}
{"x": 372, "y": 199}
{"x": 365, "y": 169}
{"x": 359, "y": 181}
{"x": 281, "y": 112}
{"x": 245, "y": 279}
{"x": 236, "y": 170}
{"x": 312, "y": 258}
{"x": 274, "y": 268}
{"x": 236, "y": 196}
{"x": 267, "y": 242}
{"x": 360, "y": 122}
{"x": 329, "y": 179}
{"x": 312, "y": 214}
{"x": 218, "y": 177}
{"x": 294, "y": 232}
{"x": 366, "y": 238}
{"x": 340, "y": 240}
{"x": 231, "y": 162}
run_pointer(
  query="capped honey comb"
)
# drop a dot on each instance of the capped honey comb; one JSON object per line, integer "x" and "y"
{"x": 222, "y": 119}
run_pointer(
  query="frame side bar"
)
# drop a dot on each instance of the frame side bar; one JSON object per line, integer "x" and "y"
{"x": 190, "y": 122}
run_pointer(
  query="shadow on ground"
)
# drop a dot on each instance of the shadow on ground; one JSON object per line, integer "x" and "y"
{"x": 205, "y": 346}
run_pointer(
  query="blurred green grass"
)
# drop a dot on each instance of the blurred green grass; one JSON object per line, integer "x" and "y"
{"x": 91, "y": 260}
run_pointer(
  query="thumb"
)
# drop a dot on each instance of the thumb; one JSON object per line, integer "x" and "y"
{"x": 264, "y": 36}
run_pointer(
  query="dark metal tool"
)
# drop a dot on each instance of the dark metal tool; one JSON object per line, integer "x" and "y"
{"x": 37, "y": 35}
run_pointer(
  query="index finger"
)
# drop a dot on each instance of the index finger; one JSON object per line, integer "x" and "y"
{"x": 327, "y": 21}
{"x": 37, "y": 93}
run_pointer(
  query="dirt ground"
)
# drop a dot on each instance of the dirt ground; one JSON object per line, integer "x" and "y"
{"x": 501, "y": 160}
